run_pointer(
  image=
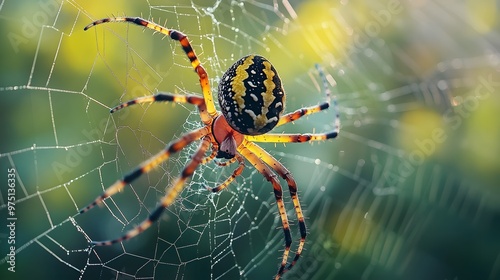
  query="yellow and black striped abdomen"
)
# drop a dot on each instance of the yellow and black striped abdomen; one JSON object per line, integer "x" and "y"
{"x": 251, "y": 96}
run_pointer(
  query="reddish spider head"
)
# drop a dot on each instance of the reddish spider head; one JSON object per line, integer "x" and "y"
{"x": 228, "y": 138}
{"x": 251, "y": 96}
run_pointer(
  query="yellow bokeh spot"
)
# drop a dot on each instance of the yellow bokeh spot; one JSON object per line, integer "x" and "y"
{"x": 482, "y": 137}
{"x": 422, "y": 132}
{"x": 352, "y": 231}
{"x": 482, "y": 14}
{"x": 314, "y": 36}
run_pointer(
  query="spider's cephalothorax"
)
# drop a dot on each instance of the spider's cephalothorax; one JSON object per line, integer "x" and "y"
{"x": 228, "y": 139}
{"x": 252, "y": 99}
{"x": 251, "y": 96}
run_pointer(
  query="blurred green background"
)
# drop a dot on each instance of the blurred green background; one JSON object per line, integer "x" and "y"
{"x": 409, "y": 190}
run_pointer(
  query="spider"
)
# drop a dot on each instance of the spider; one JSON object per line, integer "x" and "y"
{"x": 252, "y": 99}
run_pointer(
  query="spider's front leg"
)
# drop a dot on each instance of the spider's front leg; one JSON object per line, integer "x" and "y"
{"x": 237, "y": 172}
{"x": 176, "y": 35}
{"x": 167, "y": 97}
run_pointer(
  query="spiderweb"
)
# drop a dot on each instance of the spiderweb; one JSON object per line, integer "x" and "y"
{"x": 409, "y": 190}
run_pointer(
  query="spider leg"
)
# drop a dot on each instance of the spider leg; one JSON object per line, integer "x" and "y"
{"x": 148, "y": 165}
{"x": 278, "y": 195}
{"x": 169, "y": 197}
{"x": 297, "y": 114}
{"x": 211, "y": 156}
{"x": 226, "y": 163}
{"x": 164, "y": 97}
{"x": 236, "y": 173}
{"x": 215, "y": 150}
{"x": 292, "y": 187}
{"x": 292, "y": 138}
{"x": 186, "y": 47}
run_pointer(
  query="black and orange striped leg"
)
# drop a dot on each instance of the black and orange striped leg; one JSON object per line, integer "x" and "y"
{"x": 186, "y": 47}
{"x": 167, "y": 97}
{"x": 148, "y": 165}
{"x": 292, "y": 187}
{"x": 169, "y": 197}
{"x": 225, "y": 162}
{"x": 212, "y": 155}
{"x": 297, "y": 114}
{"x": 278, "y": 195}
{"x": 236, "y": 173}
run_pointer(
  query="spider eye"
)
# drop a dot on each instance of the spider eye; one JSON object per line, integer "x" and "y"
{"x": 251, "y": 96}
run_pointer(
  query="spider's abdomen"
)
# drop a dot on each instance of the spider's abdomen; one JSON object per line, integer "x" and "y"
{"x": 251, "y": 96}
